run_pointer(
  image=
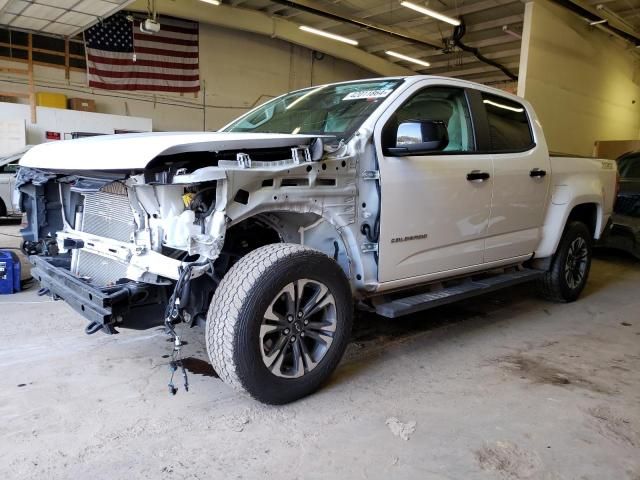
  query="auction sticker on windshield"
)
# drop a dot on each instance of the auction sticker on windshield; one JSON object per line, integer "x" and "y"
{"x": 367, "y": 94}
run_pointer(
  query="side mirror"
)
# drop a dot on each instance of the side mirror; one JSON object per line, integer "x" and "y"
{"x": 415, "y": 137}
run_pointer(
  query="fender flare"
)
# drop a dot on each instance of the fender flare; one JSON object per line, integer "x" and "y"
{"x": 556, "y": 220}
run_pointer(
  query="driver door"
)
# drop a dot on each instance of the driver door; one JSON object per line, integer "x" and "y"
{"x": 435, "y": 205}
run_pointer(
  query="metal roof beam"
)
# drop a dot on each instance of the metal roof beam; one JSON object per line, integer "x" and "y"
{"x": 511, "y": 20}
{"x": 474, "y": 70}
{"x": 491, "y": 79}
{"x": 321, "y": 9}
{"x": 612, "y": 24}
{"x": 450, "y": 64}
{"x": 254, "y": 21}
{"x": 274, "y": 9}
{"x": 419, "y": 21}
{"x": 487, "y": 42}
{"x": 468, "y": 58}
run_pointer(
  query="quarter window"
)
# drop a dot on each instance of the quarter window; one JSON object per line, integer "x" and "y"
{"x": 509, "y": 128}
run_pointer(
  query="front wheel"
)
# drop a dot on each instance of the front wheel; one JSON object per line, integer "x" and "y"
{"x": 570, "y": 267}
{"x": 279, "y": 322}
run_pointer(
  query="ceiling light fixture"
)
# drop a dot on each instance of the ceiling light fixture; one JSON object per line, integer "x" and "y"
{"x": 408, "y": 59}
{"x": 211, "y": 2}
{"x": 508, "y": 31}
{"x": 431, "y": 13}
{"x": 332, "y": 36}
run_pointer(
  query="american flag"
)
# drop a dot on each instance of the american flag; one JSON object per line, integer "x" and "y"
{"x": 120, "y": 57}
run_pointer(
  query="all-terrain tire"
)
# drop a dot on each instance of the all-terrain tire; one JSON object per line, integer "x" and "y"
{"x": 554, "y": 285}
{"x": 233, "y": 334}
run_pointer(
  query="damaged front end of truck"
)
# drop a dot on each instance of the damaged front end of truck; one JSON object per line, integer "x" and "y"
{"x": 137, "y": 247}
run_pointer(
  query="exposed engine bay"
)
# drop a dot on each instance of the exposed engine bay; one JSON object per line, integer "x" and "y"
{"x": 155, "y": 243}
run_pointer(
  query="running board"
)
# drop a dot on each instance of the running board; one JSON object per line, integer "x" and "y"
{"x": 467, "y": 289}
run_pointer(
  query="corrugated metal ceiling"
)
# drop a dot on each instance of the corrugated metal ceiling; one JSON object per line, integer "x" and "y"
{"x": 57, "y": 17}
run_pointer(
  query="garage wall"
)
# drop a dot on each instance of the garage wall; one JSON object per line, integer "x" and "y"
{"x": 583, "y": 83}
{"x": 238, "y": 70}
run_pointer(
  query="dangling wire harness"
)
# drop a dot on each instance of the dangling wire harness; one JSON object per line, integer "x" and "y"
{"x": 173, "y": 316}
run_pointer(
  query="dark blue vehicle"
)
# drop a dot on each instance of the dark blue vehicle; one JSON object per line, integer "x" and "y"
{"x": 624, "y": 232}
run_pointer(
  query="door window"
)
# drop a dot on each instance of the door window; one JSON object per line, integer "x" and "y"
{"x": 509, "y": 128}
{"x": 439, "y": 104}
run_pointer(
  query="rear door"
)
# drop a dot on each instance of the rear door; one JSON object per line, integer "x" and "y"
{"x": 434, "y": 216}
{"x": 521, "y": 176}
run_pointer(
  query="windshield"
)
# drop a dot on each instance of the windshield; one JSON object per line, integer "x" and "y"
{"x": 337, "y": 110}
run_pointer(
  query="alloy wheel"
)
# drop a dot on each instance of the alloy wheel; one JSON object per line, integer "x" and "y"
{"x": 298, "y": 328}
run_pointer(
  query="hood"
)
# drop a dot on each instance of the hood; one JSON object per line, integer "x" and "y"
{"x": 134, "y": 151}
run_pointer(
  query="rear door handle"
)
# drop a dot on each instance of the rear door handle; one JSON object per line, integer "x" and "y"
{"x": 537, "y": 172}
{"x": 477, "y": 176}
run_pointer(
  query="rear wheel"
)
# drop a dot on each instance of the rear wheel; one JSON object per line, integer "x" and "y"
{"x": 570, "y": 267}
{"x": 279, "y": 322}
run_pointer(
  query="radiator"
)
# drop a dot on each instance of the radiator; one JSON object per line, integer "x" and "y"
{"x": 101, "y": 270}
{"x": 108, "y": 214}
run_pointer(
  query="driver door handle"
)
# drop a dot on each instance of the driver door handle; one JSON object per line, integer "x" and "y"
{"x": 477, "y": 176}
{"x": 537, "y": 172}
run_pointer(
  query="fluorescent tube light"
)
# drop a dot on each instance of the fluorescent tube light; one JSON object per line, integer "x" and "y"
{"x": 408, "y": 59}
{"x": 431, "y": 13}
{"x": 211, "y": 2}
{"x": 332, "y": 36}
{"x": 505, "y": 107}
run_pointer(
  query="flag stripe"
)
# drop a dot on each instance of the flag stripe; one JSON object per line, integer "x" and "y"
{"x": 176, "y": 22}
{"x": 143, "y": 65}
{"x": 175, "y": 29}
{"x": 144, "y": 81}
{"x": 119, "y": 82}
{"x": 177, "y": 49}
{"x": 120, "y": 57}
{"x": 163, "y": 39}
{"x": 142, "y": 74}
{"x": 168, "y": 53}
{"x": 153, "y": 87}
{"x": 140, "y": 63}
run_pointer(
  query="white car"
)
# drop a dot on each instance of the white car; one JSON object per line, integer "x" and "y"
{"x": 8, "y": 194}
{"x": 394, "y": 195}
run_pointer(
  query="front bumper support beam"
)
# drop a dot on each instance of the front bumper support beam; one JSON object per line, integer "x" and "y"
{"x": 104, "y": 307}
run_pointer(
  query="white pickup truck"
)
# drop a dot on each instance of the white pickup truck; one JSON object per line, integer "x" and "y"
{"x": 392, "y": 195}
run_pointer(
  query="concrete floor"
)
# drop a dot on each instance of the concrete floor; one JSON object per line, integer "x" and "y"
{"x": 501, "y": 387}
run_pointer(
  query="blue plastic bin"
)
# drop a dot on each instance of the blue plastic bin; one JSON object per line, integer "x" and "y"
{"x": 9, "y": 272}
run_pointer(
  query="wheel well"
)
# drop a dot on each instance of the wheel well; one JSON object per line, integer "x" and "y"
{"x": 240, "y": 239}
{"x": 586, "y": 213}
{"x": 3, "y": 208}
{"x": 307, "y": 229}
{"x": 243, "y": 238}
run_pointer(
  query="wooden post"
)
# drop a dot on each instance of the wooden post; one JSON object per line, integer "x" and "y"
{"x": 66, "y": 58}
{"x": 32, "y": 89}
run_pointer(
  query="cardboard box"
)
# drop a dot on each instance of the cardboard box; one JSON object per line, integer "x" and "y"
{"x": 612, "y": 149}
{"x": 82, "y": 104}
{"x": 51, "y": 100}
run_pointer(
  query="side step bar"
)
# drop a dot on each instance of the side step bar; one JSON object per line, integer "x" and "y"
{"x": 467, "y": 289}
